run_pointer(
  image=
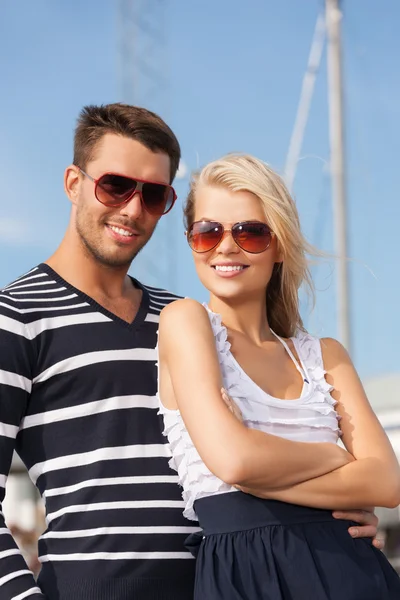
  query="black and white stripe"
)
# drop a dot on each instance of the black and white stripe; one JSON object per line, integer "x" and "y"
{"x": 78, "y": 401}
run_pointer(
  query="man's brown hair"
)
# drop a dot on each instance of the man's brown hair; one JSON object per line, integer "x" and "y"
{"x": 130, "y": 121}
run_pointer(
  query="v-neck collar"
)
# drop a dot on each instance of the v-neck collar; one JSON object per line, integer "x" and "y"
{"x": 140, "y": 315}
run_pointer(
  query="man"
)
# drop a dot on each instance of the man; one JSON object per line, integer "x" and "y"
{"x": 78, "y": 381}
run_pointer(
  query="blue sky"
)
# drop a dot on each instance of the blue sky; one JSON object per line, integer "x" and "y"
{"x": 234, "y": 72}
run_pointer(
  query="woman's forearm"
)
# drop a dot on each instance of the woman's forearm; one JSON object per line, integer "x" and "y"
{"x": 270, "y": 461}
{"x": 234, "y": 453}
{"x": 365, "y": 482}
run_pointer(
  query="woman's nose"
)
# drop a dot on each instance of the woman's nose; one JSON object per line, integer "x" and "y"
{"x": 228, "y": 245}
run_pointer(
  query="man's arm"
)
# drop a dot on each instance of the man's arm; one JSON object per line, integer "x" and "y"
{"x": 16, "y": 581}
{"x": 367, "y": 524}
{"x": 230, "y": 450}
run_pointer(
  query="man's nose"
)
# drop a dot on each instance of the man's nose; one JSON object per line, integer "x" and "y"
{"x": 134, "y": 208}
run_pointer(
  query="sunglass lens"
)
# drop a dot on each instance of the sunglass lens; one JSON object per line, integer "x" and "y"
{"x": 158, "y": 198}
{"x": 253, "y": 237}
{"x": 203, "y": 236}
{"x": 114, "y": 190}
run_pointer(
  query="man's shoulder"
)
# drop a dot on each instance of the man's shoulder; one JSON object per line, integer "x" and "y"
{"x": 33, "y": 273}
{"x": 10, "y": 294}
{"x": 159, "y": 297}
{"x": 30, "y": 302}
{"x": 16, "y": 302}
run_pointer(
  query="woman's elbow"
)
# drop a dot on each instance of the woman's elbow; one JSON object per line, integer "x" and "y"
{"x": 232, "y": 462}
{"x": 393, "y": 495}
{"x": 390, "y": 489}
{"x": 230, "y": 470}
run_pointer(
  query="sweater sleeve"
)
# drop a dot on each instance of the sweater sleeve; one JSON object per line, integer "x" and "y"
{"x": 16, "y": 358}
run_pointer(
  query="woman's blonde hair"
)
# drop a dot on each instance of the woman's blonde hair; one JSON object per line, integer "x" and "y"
{"x": 241, "y": 172}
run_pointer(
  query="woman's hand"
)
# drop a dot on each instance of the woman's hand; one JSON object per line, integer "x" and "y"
{"x": 343, "y": 455}
{"x": 236, "y": 454}
{"x": 235, "y": 410}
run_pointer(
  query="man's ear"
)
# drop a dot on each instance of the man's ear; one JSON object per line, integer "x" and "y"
{"x": 72, "y": 182}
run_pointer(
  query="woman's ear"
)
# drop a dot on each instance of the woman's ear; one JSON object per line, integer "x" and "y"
{"x": 278, "y": 251}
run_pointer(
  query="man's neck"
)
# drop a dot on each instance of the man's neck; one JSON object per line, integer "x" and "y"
{"x": 81, "y": 270}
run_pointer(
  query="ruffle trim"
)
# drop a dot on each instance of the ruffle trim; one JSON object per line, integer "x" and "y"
{"x": 310, "y": 350}
{"x": 241, "y": 390}
{"x": 194, "y": 476}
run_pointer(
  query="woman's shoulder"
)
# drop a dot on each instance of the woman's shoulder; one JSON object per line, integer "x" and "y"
{"x": 183, "y": 315}
{"x": 328, "y": 349}
{"x": 333, "y": 353}
{"x": 305, "y": 337}
{"x": 183, "y": 307}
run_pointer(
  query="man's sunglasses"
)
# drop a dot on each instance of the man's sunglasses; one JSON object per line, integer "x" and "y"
{"x": 251, "y": 236}
{"x": 115, "y": 190}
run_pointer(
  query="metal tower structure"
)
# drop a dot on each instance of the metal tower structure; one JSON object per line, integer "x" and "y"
{"x": 143, "y": 81}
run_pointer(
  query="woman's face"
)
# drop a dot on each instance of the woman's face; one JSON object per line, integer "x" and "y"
{"x": 253, "y": 272}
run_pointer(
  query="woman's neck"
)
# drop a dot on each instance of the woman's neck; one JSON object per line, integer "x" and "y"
{"x": 246, "y": 316}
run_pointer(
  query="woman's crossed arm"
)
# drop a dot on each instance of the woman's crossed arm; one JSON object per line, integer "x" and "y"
{"x": 236, "y": 454}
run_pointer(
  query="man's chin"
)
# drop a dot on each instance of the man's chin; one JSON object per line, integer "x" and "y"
{"x": 115, "y": 260}
{"x": 118, "y": 262}
{"x": 113, "y": 257}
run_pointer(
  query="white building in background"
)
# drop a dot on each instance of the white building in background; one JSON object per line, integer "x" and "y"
{"x": 20, "y": 505}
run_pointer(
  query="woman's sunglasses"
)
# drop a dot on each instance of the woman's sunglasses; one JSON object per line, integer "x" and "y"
{"x": 251, "y": 236}
{"x": 115, "y": 190}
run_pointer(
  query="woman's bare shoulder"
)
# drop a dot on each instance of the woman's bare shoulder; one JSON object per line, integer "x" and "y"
{"x": 184, "y": 316}
{"x": 182, "y": 309}
{"x": 334, "y": 354}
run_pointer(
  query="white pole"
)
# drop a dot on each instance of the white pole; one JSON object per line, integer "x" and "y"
{"x": 296, "y": 141}
{"x": 337, "y": 165}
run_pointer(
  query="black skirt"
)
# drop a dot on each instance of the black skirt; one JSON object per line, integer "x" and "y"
{"x": 253, "y": 549}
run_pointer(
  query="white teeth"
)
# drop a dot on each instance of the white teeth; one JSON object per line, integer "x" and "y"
{"x": 229, "y": 268}
{"x": 121, "y": 231}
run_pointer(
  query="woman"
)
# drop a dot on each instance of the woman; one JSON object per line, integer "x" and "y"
{"x": 275, "y": 539}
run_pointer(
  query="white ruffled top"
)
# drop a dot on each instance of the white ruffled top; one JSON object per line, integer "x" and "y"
{"x": 310, "y": 418}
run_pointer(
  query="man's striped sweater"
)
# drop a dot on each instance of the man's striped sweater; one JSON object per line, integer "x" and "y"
{"x": 78, "y": 402}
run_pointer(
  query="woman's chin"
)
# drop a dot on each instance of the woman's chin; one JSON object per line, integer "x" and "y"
{"x": 231, "y": 291}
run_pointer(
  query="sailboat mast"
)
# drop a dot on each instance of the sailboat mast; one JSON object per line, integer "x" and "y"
{"x": 338, "y": 165}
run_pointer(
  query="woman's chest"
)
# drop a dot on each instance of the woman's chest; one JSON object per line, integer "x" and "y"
{"x": 270, "y": 367}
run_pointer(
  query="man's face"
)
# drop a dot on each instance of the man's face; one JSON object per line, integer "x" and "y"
{"x": 114, "y": 236}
